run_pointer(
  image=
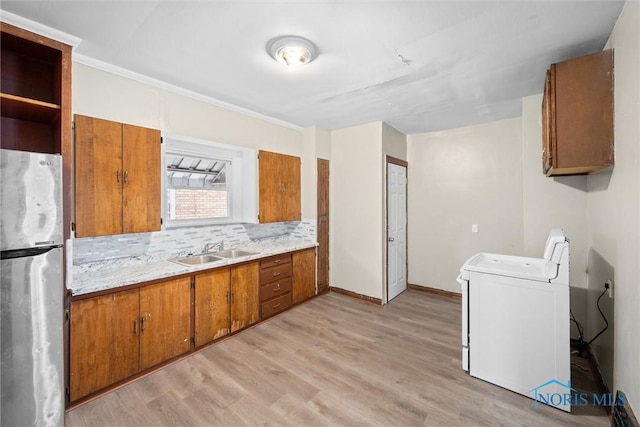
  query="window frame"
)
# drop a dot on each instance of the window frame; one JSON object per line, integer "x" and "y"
{"x": 242, "y": 181}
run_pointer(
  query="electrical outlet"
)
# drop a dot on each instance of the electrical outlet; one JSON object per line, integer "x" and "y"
{"x": 474, "y": 228}
{"x": 609, "y": 285}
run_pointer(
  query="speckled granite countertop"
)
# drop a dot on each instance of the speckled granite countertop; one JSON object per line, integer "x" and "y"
{"x": 99, "y": 276}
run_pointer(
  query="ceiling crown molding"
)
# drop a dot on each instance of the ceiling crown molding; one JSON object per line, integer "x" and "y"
{"x": 123, "y": 72}
{"x": 36, "y": 27}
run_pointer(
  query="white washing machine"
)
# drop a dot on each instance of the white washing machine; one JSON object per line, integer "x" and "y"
{"x": 515, "y": 320}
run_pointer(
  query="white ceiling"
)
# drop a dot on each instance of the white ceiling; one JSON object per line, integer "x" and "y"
{"x": 419, "y": 65}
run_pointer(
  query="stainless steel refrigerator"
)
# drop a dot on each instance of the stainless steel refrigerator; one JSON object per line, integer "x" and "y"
{"x": 31, "y": 315}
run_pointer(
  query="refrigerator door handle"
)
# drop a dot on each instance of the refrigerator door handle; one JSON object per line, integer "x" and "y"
{"x": 28, "y": 252}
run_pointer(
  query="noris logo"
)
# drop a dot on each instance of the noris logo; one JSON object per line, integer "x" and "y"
{"x": 572, "y": 397}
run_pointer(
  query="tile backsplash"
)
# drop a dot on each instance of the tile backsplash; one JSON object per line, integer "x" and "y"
{"x": 162, "y": 245}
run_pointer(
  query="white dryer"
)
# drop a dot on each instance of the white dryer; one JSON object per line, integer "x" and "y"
{"x": 515, "y": 320}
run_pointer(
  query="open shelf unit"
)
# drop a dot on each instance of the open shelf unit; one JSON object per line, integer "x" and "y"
{"x": 35, "y": 92}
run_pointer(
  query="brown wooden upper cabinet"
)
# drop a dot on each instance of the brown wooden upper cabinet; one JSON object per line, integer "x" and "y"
{"x": 117, "y": 178}
{"x": 279, "y": 177}
{"x": 577, "y": 115}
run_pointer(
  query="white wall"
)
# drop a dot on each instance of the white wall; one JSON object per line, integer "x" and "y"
{"x": 354, "y": 211}
{"x": 614, "y": 216}
{"x": 109, "y": 96}
{"x": 394, "y": 143}
{"x": 316, "y": 143}
{"x": 553, "y": 202}
{"x": 457, "y": 178}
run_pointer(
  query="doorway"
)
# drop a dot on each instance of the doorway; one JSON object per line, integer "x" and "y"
{"x": 396, "y": 227}
{"x": 323, "y": 225}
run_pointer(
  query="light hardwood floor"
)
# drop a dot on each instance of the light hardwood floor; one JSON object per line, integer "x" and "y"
{"x": 335, "y": 360}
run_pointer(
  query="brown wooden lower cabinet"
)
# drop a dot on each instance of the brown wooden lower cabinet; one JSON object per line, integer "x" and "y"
{"x": 304, "y": 275}
{"x": 245, "y": 305}
{"x": 118, "y": 335}
{"x": 115, "y": 336}
{"x": 165, "y": 321}
{"x": 212, "y": 296}
{"x": 275, "y": 285}
{"x": 104, "y": 341}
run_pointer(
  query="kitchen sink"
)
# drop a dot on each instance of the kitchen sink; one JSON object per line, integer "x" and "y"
{"x": 197, "y": 259}
{"x": 234, "y": 253}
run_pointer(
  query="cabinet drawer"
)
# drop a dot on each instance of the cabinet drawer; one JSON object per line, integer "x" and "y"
{"x": 275, "y": 273}
{"x": 276, "y": 305}
{"x": 275, "y": 260}
{"x": 275, "y": 289}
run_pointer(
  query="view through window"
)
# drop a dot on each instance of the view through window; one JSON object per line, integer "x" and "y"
{"x": 198, "y": 188}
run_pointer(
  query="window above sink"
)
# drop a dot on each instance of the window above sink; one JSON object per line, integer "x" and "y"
{"x": 207, "y": 183}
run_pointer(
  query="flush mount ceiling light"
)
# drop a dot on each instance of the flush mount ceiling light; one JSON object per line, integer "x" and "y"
{"x": 292, "y": 51}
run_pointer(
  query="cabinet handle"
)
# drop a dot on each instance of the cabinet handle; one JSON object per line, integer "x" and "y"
{"x": 126, "y": 177}
{"x": 277, "y": 273}
{"x": 276, "y": 306}
{"x": 277, "y": 261}
{"x": 142, "y": 321}
{"x": 228, "y": 297}
{"x": 232, "y": 296}
{"x": 135, "y": 327}
{"x": 118, "y": 173}
{"x": 276, "y": 288}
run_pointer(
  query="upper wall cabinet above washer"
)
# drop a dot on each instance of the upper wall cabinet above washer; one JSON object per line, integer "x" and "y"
{"x": 577, "y": 116}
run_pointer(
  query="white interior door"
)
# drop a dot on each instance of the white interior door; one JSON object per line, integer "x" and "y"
{"x": 396, "y": 230}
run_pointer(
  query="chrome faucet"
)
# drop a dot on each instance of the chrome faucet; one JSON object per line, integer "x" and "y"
{"x": 213, "y": 247}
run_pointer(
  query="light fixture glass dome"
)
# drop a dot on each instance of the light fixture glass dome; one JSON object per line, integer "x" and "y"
{"x": 292, "y": 51}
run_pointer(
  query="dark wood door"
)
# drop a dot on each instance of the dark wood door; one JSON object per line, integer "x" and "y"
{"x": 323, "y": 225}
{"x": 245, "y": 302}
{"x": 141, "y": 179}
{"x": 98, "y": 177}
{"x": 304, "y": 275}
{"x": 211, "y": 306}
{"x": 165, "y": 321}
{"x": 104, "y": 341}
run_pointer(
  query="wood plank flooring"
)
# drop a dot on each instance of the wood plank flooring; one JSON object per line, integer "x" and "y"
{"x": 336, "y": 361}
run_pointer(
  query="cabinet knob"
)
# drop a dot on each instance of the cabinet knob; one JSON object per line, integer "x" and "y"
{"x": 276, "y": 288}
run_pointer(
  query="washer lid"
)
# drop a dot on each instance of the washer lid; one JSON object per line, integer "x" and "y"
{"x": 506, "y": 265}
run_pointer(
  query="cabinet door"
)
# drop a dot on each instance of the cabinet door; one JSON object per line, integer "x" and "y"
{"x": 245, "y": 304}
{"x": 290, "y": 177}
{"x": 141, "y": 179}
{"x": 165, "y": 316}
{"x": 547, "y": 124}
{"x": 279, "y": 177}
{"x": 98, "y": 177}
{"x": 304, "y": 275}
{"x": 212, "y": 306}
{"x": 103, "y": 341}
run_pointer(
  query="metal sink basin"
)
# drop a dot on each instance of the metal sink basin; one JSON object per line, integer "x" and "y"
{"x": 234, "y": 253}
{"x": 197, "y": 259}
